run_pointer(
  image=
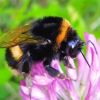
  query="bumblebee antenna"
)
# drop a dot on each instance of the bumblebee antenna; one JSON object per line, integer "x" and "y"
{"x": 89, "y": 41}
{"x": 85, "y": 59}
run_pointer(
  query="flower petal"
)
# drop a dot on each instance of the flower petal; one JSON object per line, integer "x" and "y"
{"x": 71, "y": 71}
{"x": 42, "y": 79}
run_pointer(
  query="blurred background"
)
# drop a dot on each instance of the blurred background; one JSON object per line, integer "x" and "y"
{"x": 84, "y": 16}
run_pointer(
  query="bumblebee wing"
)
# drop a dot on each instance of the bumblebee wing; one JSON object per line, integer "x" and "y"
{"x": 21, "y": 35}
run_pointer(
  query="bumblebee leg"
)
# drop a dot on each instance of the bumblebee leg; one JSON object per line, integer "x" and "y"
{"x": 25, "y": 63}
{"x": 30, "y": 61}
{"x": 66, "y": 62}
{"x": 64, "y": 57}
{"x": 52, "y": 71}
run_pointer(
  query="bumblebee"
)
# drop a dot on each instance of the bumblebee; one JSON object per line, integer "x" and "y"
{"x": 44, "y": 39}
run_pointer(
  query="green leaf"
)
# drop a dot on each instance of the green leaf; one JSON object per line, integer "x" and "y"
{"x": 5, "y": 75}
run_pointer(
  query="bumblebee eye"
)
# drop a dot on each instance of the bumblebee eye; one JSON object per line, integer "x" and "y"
{"x": 72, "y": 44}
{"x": 74, "y": 48}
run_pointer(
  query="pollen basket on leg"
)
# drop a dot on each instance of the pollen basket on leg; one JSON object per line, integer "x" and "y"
{"x": 16, "y": 52}
{"x": 65, "y": 25}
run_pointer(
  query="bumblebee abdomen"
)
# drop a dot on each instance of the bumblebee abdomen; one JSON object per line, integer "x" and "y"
{"x": 10, "y": 60}
{"x": 13, "y": 55}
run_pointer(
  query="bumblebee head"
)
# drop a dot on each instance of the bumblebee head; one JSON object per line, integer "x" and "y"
{"x": 74, "y": 44}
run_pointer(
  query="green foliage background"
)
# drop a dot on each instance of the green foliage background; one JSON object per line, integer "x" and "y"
{"x": 84, "y": 16}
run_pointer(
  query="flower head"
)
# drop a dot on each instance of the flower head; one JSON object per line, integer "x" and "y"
{"x": 82, "y": 82}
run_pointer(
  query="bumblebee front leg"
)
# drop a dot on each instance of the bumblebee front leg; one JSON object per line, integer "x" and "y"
{"x": 67, "y": 62}
{"x": 52, "y": 71}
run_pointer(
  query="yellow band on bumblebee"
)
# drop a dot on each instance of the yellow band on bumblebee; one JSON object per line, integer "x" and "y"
{"x": 16, "y": 52}
{"x": 65, "y": 25}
